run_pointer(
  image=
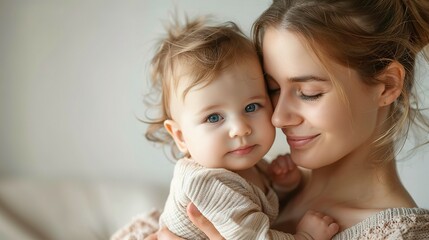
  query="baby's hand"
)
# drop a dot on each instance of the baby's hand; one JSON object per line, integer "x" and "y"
{"x": 284, "y": 173}
{"x": 317, "y": 226}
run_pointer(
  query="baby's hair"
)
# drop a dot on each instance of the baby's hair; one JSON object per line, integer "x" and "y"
{"x": 193, "y": 53}
{"x": 365, "y": 35}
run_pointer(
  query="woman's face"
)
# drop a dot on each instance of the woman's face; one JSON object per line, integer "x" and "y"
{"x": 320, "y": 126}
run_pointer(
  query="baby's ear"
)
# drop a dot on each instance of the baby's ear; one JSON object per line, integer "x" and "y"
{"x": 392, "y": 80}
{"x": 173, "y": 128}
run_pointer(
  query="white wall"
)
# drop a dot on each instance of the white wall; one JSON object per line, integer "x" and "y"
{"x": 72, "y": 78}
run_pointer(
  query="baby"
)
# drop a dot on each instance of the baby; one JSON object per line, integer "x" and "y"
{"x": 217, "y": 113}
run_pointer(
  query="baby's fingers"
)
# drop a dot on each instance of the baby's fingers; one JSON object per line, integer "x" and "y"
{"x": 282, "y": 164}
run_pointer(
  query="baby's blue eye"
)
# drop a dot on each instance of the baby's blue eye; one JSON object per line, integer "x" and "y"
{"x": 251, "y": 107}
{"x": 214, "y": 118}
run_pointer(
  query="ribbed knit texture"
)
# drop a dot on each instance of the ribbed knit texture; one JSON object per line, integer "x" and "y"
{"x": 394, "y": 223}
{"x": 238, "y": 209}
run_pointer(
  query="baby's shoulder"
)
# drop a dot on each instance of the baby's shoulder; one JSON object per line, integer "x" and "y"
{"x": 194, "y": 174}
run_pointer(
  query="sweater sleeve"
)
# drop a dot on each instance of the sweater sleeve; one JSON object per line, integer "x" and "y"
{"x": 229, "y": 202}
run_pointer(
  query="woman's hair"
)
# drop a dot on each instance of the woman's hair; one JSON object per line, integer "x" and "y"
{"x": 364, "y": 35}
{"x": 193, "y": 54}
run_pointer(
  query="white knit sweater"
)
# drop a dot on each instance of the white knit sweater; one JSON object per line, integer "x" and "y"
{"x": 237, "y": 208}
{"x": 240, "y": 210}
{"x": 392, "y": 223}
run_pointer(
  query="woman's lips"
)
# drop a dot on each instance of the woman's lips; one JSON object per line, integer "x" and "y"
{"x": 301, "y": 141}
{"x": 243, "y": 150}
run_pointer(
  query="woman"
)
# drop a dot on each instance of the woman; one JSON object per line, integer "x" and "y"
{"x": 341, "y": 78}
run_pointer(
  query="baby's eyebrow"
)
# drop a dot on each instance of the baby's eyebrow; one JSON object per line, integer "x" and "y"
{"x": 209, "y": 108}
{"x": 257, "y": 97}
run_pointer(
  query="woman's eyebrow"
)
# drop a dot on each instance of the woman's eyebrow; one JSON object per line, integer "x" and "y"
{"x": 306, "y": 78}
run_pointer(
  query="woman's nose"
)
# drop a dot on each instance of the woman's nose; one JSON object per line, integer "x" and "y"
{"x": 239, "y": 128}
{"x": 285, "y": 114}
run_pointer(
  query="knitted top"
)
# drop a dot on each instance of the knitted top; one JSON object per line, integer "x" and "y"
{"x": 237, "y": 208}
{"x": 392, "y": 223}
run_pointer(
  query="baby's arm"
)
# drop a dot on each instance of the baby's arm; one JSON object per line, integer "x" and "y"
{"x": 284, "y": 174}
{"x": 232, "y": 206}
{"x": 317, "y": 226}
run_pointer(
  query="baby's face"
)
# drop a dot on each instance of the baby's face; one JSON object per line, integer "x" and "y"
{"x": 227, "y": 124}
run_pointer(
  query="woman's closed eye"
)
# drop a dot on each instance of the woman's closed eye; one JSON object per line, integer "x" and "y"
{"x": 309, "y": 96}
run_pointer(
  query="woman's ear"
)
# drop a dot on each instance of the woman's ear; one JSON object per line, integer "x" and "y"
{"x": 175, "y": 131}
{"x": 392, "y": 80}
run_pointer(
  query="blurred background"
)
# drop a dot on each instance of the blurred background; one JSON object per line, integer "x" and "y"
{"x": 74, "y": 163}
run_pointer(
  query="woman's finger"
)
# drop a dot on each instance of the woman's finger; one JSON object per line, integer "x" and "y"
{"x": 202, "y": 223}
{"x": 165, "y": 234}
{"x": 151, "y": 237}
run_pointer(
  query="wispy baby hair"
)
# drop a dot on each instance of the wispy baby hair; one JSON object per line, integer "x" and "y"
{"x": 193, "y": 53}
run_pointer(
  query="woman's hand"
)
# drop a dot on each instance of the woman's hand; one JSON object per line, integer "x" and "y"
{"x": 203, "y": 223}
{"x": 197, "y": 218}
{"x": 163, "y": 234}
{"x": 153, "y": 236}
